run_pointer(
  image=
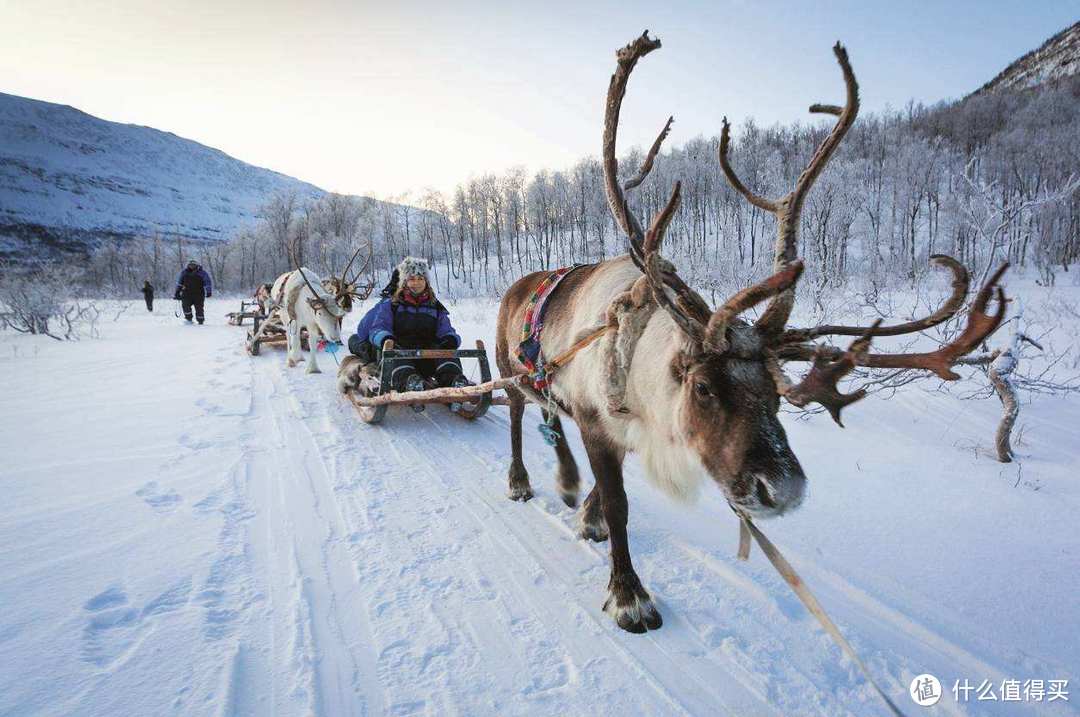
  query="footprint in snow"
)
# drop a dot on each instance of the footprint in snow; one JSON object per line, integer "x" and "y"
{"x": 188, "y": 442}
{"x": 113, "y": 627}
{"x": 161, "y": 501}
{"x": 110, "y": 598}
{"x": 208, "y": 408}
{"x": 210, "y": 504}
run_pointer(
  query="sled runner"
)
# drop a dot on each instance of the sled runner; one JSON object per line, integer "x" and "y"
{"x": 270, "y": 331}
{"x": 248, "y": 310}
{"x": 369, "y": 388}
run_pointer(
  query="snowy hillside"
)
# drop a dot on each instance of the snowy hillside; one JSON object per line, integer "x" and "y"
{"x": 1055, "y": 59}
{"x": 187, "y": 530}
{"x": 65, "y": 175}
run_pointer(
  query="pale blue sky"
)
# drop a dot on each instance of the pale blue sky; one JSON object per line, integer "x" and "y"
{"x": 365, "y": 97}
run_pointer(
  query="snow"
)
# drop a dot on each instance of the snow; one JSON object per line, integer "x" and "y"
{"x": 66, "y": 170}
{"x": 190, "y": 530}
{"x": 1056, "y": 59}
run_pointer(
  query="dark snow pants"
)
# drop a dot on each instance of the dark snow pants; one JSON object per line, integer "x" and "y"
{"x": 441, "y": 371}
{"x": 149, "y": 302}
{"x": 187, "y": 303}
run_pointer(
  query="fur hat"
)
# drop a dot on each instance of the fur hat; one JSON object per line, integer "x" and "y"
{"x": 412, "y": 266}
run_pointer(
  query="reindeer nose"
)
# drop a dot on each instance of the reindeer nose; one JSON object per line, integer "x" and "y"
{"x": 774, "y": 494}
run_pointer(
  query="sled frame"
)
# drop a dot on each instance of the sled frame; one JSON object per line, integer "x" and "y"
{"x": 248, "y": 310}
{"x": 372, "y": 409}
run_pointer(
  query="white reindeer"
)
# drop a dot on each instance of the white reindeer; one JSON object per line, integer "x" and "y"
{"x": 305, "y": 300}
{"x": 306, "y": 304}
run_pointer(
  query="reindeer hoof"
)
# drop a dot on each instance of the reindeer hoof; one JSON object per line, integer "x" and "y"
{"x": 520, "y": 493}
{"x": 290, "y": 363}
{"x": 569, "y": 484}
{"x": 592, "y": 527}
{"x": 595, "y": 533}
{"x": 631, "y": 607}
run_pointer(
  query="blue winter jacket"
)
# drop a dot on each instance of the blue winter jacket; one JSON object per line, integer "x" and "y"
{"x": 193, "y": 285}
{"x": 412, "y": 327}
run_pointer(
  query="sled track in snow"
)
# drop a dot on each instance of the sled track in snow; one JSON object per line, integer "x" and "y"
{"x": 421, "y": 583}
{"x": 539, "y": 587}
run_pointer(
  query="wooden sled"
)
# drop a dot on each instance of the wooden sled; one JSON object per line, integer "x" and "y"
{"x": 248, "y": 310}
{"x": 270, "y": 331}
{"x": 374, "y": 395}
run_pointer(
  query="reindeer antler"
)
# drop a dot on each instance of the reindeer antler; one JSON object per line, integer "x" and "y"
{"x": 788, "y": 208}
{"x": 345, "y": 272}
{"x": 687, "y": 309}
{"x": 709, "y": 329}
{"x": 715, "y": 332}
{"x": 943, "y": 313}
{"x": 830, "y": 364}
{"x": 296, "y": 266}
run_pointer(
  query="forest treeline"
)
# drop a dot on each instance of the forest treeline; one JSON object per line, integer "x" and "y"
{"x": 994, "y": 177}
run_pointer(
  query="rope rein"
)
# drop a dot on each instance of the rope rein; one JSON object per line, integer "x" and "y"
{"x": 783, "y": 567}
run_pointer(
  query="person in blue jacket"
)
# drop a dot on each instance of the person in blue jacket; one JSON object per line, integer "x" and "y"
{"x": 410, "y": 314}
{"x": 192, "y": 287}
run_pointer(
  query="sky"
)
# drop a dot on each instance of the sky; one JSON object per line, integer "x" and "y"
{"x": 384, "y": 98}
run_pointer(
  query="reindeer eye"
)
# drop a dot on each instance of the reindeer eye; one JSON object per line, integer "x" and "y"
{"x": 702, "y": 389}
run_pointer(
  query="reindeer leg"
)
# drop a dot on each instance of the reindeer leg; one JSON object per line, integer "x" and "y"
{"x": 591, "y": 518}
{"x": 567, "y": 477}
{"x": 292, "y": 344}
{"x": 519, "y": 477}
{"x": 519, "y": 488}
{"x": 313, "y": 348}
{"x": 627, "y": 602}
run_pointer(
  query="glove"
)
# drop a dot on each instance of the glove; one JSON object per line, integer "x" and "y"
{"x": 209, "y": 294}
{"x": 448, "y": 342}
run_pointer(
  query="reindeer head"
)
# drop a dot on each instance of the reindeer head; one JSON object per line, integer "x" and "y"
{"x": 344, "y": 289}
{"x": 334, "y": 302}
{"x": 727, "y": 374}
{"x": 328, "y": 313}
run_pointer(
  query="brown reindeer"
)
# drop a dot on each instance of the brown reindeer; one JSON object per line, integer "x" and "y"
{"x": 695, "y": 392}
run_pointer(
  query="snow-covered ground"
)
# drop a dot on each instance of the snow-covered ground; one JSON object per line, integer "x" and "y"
{"x": 188, "y": 530}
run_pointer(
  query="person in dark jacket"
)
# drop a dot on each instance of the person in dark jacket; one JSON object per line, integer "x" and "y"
{"x": 192, "y": 287}
{"x": 148, "y": 294}
{"x": 410, "y": 314}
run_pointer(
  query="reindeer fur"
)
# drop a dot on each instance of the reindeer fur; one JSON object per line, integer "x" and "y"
{"x": 313, "y": 308}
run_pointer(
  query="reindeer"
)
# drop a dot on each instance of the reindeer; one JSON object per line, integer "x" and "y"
{"x": 264, "y": 298}
{"x": 307, "y": 301}
{"x": 700, "y": 389}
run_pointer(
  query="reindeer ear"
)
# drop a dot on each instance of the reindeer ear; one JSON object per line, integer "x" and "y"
{"x": 680, "y": 365}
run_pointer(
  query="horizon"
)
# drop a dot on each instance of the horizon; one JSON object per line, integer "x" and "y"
{"x": 226, "y": 94}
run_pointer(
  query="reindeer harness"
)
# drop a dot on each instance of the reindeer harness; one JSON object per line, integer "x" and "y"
{"x": 624, "y": 322}
{"x": 530, "y": 353}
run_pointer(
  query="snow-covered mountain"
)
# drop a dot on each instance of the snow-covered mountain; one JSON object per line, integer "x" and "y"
{"x": 67, "y": 178}
{"x": 1055, "y": 59}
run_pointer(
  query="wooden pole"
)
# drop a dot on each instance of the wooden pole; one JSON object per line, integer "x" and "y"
{"x": 436, "y": 395}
